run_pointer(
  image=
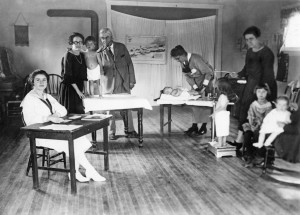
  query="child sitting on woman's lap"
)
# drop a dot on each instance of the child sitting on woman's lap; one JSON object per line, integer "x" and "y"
{"x": 274, "y": 122}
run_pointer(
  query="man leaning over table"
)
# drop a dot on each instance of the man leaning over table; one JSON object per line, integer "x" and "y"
{"x": 199, "y": 75}
{"x": 118, "y": 75}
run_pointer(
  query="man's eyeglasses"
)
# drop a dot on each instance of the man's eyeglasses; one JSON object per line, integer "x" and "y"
{"x": 77, "y": 43}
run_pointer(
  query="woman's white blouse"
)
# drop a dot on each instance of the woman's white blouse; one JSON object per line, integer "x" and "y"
{"x": 35, "y": 111}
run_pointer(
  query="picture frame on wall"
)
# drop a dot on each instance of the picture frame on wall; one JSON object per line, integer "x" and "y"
{"x": 147, "y": 49}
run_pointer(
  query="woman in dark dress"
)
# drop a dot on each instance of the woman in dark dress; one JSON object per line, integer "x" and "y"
{"x": 258, "y": 69}
{"x": 74, "y": 82}
{"x": 287, "y": 145}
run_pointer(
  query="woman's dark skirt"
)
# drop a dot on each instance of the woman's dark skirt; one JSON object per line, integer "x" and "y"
{"x": 70, "y": 99}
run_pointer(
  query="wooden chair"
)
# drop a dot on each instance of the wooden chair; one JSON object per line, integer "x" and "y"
{"x": 293, "y": 95}
{"x": 268, "y": 156}
{"x": 53, "y": 87}
{"x": 46, "y": 156}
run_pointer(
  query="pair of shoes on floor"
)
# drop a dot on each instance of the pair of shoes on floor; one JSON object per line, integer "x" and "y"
{"x": 193, "y": 131}
{"x": 131, "y": 134}
{"x": 201, "y": 131}
{"x": 112, "y": 136}
{"x": 79, "y": 177}
{"x": 94, "y": 175}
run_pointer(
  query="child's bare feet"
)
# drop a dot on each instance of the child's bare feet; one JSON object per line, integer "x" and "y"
{"x": 258, "y": 145}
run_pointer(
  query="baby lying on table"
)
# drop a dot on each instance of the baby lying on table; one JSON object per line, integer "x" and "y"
{"x": 168, "y": 93}
{"x": 179, "y": 92}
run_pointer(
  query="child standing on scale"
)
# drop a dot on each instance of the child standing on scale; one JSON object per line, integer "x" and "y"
{"x": 222, "y": 116}
{"x": 94, "y": 67}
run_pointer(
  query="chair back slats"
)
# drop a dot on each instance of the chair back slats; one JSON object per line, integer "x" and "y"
{"x": 293, "y": 95}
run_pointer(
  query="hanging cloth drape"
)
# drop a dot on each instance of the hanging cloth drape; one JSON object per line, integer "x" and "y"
{"x": 195, "y": 35}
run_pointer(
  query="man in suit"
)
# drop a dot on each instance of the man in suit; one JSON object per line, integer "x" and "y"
{"x": 199, "y": 74}
{"x": 118, "y": 75}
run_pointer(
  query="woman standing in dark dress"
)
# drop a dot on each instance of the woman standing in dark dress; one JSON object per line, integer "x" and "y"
{"x": 258, "y": 69}
{"x": 74, "y": 82}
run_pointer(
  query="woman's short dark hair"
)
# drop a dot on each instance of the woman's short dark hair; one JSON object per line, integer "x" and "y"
{"x": 75, "y": 34}
{"x": 90, "y": 38}
{"x": 35, "y": 73}
{"x": 252, "y": 30}
{"x": 178, "y": 51}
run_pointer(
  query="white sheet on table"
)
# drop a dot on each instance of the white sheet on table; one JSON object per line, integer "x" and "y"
{"x": 178, "y": 98}
{"x": 59, "y": 127}
{"x": 115, "y": 102}
{"x": 199, "y": 102}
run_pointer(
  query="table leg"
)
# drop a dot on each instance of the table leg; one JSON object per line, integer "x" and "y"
{"x": 105, "y": 148}
{"x": 72, "y": 166}
{"x": 162, "y": 110}
{"x": 140, "y": 125}
{"x": 35, "y": 176}
{"x": 94, "y": 140}
{"x": 124, "y": 114}
{"x": 94, "y": 137}
{"x": 169, "y": 118}
{"x": 212, "y": 125}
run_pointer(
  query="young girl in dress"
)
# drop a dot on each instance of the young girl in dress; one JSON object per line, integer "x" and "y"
{"x": 256, "y": 113}
{"x": 222, "y": 116}
{"x": 274, "y": 122}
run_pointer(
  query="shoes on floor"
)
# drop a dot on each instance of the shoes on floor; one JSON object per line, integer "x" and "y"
{"x": 94, "y": 175}
{"x": 79, "y": 177}
{"x": 112, "y": 136}
{"x": 258, "y": 161}
{"x": 191, "y": 130}
{"x": 132, "y": 134}
{"x": 201, "y": 131}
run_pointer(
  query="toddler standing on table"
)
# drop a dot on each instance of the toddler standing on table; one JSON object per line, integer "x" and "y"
{"x": 274, "y": 122}
{"x": 222, "y": 116}
{"x": 94, "y": 68}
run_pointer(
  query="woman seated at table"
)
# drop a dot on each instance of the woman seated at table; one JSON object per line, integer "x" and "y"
{"x": 40, "y": 107}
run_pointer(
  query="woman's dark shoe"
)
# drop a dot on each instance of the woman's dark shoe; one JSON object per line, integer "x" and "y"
{"x": 191, "y": 130}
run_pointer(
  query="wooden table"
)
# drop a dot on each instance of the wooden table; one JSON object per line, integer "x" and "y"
{"x": 34, "y": 131}
{"x": 123, "y": 103}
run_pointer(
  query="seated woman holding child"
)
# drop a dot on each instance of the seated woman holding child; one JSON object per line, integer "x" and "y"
{"x": 287, "y": 144}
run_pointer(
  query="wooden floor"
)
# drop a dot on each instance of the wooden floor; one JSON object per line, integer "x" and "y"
{"x": 170, "y": 175}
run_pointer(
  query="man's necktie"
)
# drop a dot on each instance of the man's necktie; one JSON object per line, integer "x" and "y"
{"x": 186, "y": 68}
{"x": 111, "y": 53}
